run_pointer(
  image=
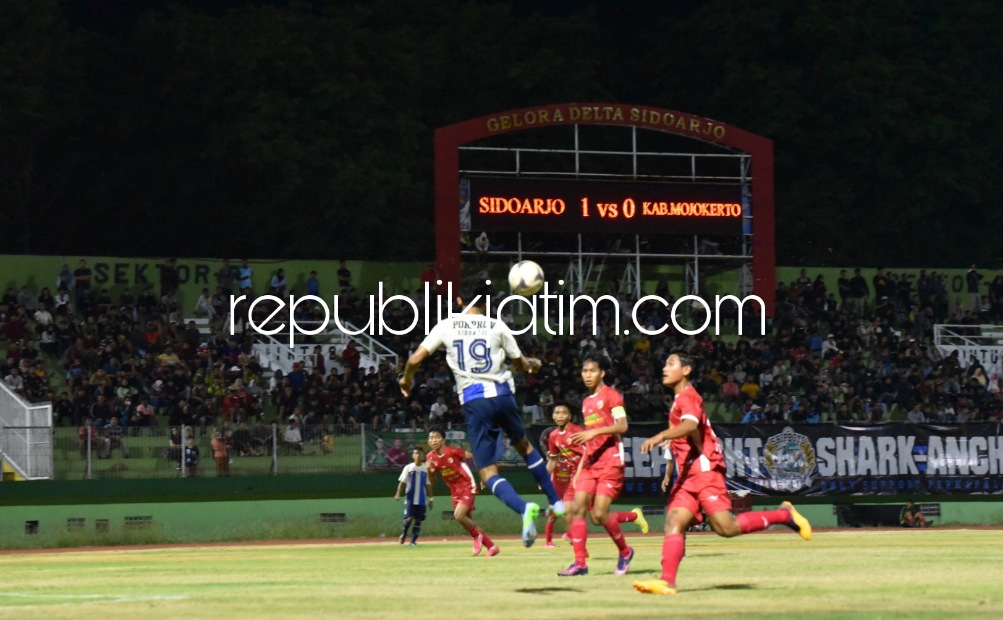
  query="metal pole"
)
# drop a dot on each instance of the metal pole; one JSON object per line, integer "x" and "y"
{"x": 87, "y": 474}
{"x": 637, "y": 258}
{"x": 184, "y": 446}
{"x": 275, "y": 449}
{"x": 362, "y": 435}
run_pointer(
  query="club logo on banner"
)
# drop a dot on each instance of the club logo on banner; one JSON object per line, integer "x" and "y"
{"x": 790, "y": 459}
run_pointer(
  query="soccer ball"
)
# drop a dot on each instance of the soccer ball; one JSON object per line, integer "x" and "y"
{"x": 525, "y": 277}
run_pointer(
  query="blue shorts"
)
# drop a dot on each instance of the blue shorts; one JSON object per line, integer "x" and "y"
{"x": 417, "y": 511}
{"x": 487, "y": 419}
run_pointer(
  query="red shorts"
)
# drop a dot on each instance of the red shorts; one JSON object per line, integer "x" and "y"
{"x": 606, "y": 481}
{"x": 705, "y": 490}
{"x": 464, "y": 497}
{"x": 565, "y": 489}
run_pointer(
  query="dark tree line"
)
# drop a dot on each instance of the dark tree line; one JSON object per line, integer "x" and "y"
{"x": 304, "y": 129}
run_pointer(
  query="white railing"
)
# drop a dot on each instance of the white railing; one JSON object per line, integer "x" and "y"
{"x": 274, "y": 354}
{"x": 25, "y": 435}
{"x": 972, "y": 342}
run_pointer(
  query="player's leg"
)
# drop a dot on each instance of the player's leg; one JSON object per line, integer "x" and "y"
{"x": 607, "y": 490}
{"x": 715, "y": 501}
{"x": 486, "y": 446}
{"x": 636, "y": 516}
{"x": 509, "y": 420}
{"x": 561, "y": 485}
{"x": 538, "y": 467}
{"x": 579, "y": 526}
{"x": 677, "y": 520}
{"x": 405, "y": 526}
{"x": 678, "y": 515}
{"x": 418, "y": 515}
{"x": 461, "y": 514}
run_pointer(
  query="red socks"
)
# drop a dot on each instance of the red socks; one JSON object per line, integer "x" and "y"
{"x": 612, "y": 526}
{"x": 579, "y": 533}
{"x": 625, "y": 517}
{"x": 760, "y": 520}
{"x": 549, "y": 530}
{"x": 673, "y": 549}
{"x": 474, "y": 533}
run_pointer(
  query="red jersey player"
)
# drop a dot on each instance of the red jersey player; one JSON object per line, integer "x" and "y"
{"x": 451, "y": 464}
{"x": 562, "y": 462}
{"x": 599, "y": 478}
{"x": 564, "y": 454}
{"x": 697, "y": 456}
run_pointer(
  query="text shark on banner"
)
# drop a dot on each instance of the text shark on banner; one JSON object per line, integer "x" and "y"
{"x": 827, "y": 459}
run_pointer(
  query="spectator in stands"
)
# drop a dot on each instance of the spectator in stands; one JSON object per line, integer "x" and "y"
{"x": 351, "y": 357}
{"x": 437, "y": 412}
{"x": 245, "y": 275}
{"x": 144, "y": 414}
{"x": 15, "y": 381}
{"x": 88, "y": 435}
{"x": 279, "y": 283}
{"x": 169, "y": 278}
{"x": 204, "y": 306}
{"x": 191, "y": 456}
{"x": 972, "y": 282}
{"x": 344, "y": 277}
{"x": 313, "y": 285}
{"x": 753, "y": 415}
{"x": 858, "y": 293}
{"x": 750, "y": 389}
{"x": 220, "y": 453}
{"x": 912, "y": 516}
{"x": 292, "y": 439}
{"x": 100, "y": 411}
{"x": 112, "y": 437}
{"x": 225, "y": 278}
{"x": 81, "y": 283}
{"x": 731, "y": 395}
{"x": 916, "y": 415}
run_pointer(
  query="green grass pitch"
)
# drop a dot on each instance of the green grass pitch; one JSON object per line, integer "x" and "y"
{"x": 844, "y": 574}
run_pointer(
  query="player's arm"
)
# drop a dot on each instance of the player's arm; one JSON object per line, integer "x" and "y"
{"x": 683, "y": 428}
{"x": 618, "y": 427}
{"x": 428, "y": 491}
{"x": 410, "y": 367}
{"x": 526, "y": 364}
{"x": 400, "y": 489}
{"x": 670, "y": 466}
{"x": 473, "y": 478}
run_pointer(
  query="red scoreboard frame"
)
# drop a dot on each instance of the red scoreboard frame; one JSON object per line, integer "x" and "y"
{"x": 674, "y": 212}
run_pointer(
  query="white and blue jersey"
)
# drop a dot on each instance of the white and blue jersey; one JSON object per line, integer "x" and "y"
{"x": 476, "y": 348}
{"x": 415, "y": 479}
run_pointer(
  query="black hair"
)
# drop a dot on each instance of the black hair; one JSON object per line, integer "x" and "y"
{"x": 597, "y": 357}
{"x": 561, "y": 403}
{"x": 474, "y": 290}
{"x": 437, "y": 429}
{"x": 687, "y": 359}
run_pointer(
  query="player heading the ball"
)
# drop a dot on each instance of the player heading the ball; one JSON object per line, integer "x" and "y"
{"x": 476, "y": 348}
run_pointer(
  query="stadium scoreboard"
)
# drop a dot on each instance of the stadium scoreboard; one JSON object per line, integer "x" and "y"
{"x": 577, "y": 206}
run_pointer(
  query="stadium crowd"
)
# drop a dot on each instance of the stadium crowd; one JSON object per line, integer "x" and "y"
{"x": 859, "y": 353}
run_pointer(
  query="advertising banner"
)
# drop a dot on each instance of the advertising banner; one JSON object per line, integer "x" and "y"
{"x": 827, "y": 459}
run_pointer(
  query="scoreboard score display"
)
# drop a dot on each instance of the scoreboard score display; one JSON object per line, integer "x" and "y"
{"x": 576, "y": 206}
